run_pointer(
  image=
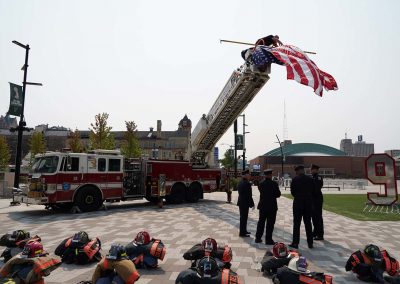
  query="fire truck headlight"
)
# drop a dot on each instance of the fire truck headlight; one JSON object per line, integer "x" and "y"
{"x": 51, "y": 188}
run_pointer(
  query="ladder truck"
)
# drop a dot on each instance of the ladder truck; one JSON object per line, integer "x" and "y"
{"x": 86, "y": 180}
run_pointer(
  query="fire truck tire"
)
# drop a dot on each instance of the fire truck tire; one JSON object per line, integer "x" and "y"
{"x": 193, "y": 193}
{"x": 177, "y": 195}
{"x": 88, "y": 199}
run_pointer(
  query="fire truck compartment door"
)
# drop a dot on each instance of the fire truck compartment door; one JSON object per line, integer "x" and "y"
{"x": 133, "y": 183}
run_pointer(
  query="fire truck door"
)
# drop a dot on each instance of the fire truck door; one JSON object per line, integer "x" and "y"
{"x": 69, "y": 178}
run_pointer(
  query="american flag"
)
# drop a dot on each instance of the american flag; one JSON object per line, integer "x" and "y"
{"x": 298, "y": 65}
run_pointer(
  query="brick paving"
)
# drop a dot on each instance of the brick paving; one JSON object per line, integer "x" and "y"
{"x": 181, "y": 226}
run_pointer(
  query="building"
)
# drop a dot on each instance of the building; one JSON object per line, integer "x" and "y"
{"x": 6, "y": 122}
{"x": 333, "y": 162}
{"x": 357, "y": 149}
{"x": 393, "y": 153}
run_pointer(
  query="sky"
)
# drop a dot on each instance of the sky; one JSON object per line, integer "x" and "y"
{"x": 145, "y": 60}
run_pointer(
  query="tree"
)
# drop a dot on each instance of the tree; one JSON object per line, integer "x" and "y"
{"x": 75, "y": 142}
{"x": 130, "y": 147}
{"x": 4, "y": 154}
{"x": 37, "y": 144}
{"x": 100, "y": 136}
{"x": 228, "y": 161}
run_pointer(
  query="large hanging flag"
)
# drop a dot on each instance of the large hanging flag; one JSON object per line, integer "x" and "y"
{"x": 299, "y": 66}
{"x": 16, "y": 100}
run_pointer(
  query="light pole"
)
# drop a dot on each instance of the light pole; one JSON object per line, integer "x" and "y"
{"x": 244, "y": 135}
{"x": 280, "y": 146}
{"x": 22, "y": 124}
{"x": 235, "y": 132}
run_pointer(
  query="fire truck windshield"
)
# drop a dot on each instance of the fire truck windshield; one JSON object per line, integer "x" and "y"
{"x": 45, "y": 165}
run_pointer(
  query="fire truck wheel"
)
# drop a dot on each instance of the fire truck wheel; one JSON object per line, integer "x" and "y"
{"x": 177, "y": 195}
{"x": 193, "y": 193}
{"x": 88, "y": 199}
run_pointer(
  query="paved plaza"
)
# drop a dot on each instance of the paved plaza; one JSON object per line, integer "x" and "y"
{"x": 181, "y": 226}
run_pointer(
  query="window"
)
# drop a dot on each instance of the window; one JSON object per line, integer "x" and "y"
{"x": 74, "y": 162}
{"x": 101, "y": 165}
{"x": 114, "y": 165}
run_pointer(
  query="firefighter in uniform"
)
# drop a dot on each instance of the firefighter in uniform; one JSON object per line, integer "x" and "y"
{"x": 277, "y": 258}
{"x": 271, "y": 40}
{"x": 30, "y": 266}
{"x": 245, "y": 201}
{"x": 79, "y": 249}
{"x": 115, "y": 268}
{"x": 267, "y": 206}
{"x": 303, "y": 190}
{"x": 317, "y": 220}
{"x": 297, "y": 273}
{"x": 145, "y": 251}
{"x": 207, "y": 272}
{"x": 370, "y": 264}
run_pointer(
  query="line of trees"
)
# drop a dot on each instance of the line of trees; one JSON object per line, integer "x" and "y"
{"x": 100, "y": 137}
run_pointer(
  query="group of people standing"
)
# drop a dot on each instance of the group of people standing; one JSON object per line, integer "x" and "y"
{"x": 307, "y": 205}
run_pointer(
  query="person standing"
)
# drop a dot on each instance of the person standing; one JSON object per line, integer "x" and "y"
{"x": 303, "y": 191}
{"x": 245, "y": 201}
{"x": 317, "y": 219}
{"x": 267, "y": 206}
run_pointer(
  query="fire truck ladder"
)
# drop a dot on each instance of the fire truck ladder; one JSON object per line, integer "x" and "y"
{"x": 242, "y": 86}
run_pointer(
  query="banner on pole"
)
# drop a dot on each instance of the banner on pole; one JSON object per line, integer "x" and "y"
{"x": 239, "y": 142}
{"x": 16, "y": 100}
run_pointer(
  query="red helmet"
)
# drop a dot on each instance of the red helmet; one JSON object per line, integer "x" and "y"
{"x": 32, "y": 249}
{"x": 209, "y": 245}
{"x": 280, "y": 250}
{"x": 142, "y": 238}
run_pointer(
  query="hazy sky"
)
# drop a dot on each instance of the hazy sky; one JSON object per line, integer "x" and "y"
{"x": 149, "y": 60}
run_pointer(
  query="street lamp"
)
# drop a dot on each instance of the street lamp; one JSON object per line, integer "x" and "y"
{"x": 22, "y": 124}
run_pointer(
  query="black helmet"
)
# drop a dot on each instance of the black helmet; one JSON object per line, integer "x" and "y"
{"x": 19, "y": 235}
{"x": 117, "y": 252}
{"x": 80, "y": 238}
{"x": 373, "y": 252}
{"x": 207, "y": 267}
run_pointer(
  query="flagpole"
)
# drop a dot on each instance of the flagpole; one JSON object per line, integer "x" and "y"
{"x": 252, "y": 44}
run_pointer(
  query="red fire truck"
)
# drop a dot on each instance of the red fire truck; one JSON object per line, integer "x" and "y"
{"x": 86, "y": 180}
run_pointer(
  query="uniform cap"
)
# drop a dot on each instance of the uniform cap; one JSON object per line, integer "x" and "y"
{"x": 268, "y": 171}
{"x": 299, "y": 167}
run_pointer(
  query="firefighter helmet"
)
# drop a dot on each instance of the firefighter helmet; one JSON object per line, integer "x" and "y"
{"x": 116, "y": 252}
{"x": 280, "y": 250}
{"x": 299, "y": 264}
{"x": 32, "y": 249}
{"x": 80, "y": 238}
{"x": 19, "y": 235}
{"x": 373, "y": 251}
{"x": 207, "y": 267}
{"x": 142, "y": 238}
{"x": 209, "y": 245}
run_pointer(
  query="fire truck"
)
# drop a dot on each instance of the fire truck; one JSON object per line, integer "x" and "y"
{"x": 86, "y": 180}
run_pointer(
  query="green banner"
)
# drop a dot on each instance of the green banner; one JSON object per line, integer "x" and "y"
{"x": 239, "y": 142}
{"x": 16, "y": 100}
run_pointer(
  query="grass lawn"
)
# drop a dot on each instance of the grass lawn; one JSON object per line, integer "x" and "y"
{"x": 352, "y": 206}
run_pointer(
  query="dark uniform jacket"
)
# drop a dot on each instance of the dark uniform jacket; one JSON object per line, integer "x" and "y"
{"x": 245, "y": 194}
{"x": 303, "y": 191}
{"x": 360, "y": 264}
{"x": 270, "y": 263}
{"x": 319, "y": 183}
{"x": 288, "y": 276}
{"x": 393, "y": 279}
{"x": 269, "y": 192}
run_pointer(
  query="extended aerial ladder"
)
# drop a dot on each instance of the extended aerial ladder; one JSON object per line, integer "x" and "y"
{"x": 244, "y": 83}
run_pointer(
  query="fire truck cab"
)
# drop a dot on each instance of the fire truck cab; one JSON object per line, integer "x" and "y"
{"x": 86, "y": 180}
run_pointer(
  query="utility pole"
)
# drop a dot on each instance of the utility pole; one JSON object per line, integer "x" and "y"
{"x": 235, "y": 132}
{"x": 282, "y": 157}
{"x": 244, "y": 139}
{"x": 22, "y": 124}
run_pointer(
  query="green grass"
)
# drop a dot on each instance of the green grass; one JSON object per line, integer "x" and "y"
{"x": 352, "y": 206}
